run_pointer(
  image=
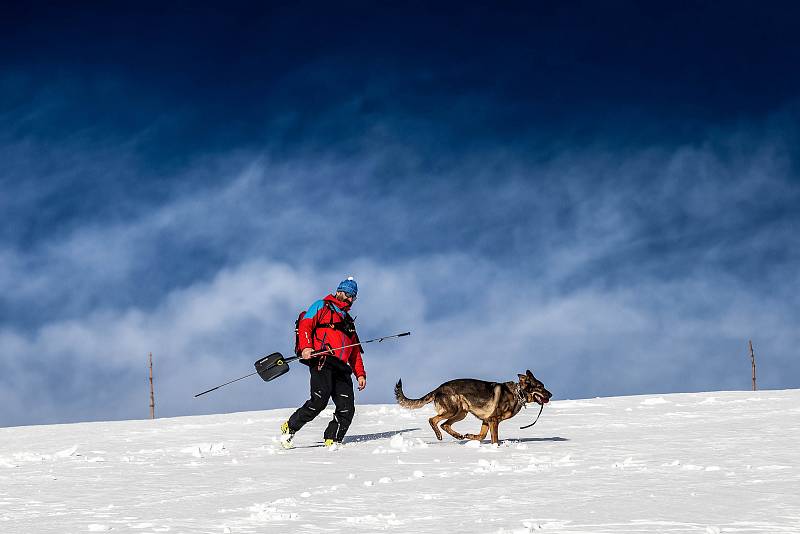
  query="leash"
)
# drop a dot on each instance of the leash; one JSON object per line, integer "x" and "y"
{"x": 541, "y": 407}
{"x": 521, "y": 398}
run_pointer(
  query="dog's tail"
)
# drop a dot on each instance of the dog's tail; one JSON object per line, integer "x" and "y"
{"x": 411, "y": 404}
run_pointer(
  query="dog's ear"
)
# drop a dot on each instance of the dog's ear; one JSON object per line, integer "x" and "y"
{"x": 528, "y": 372}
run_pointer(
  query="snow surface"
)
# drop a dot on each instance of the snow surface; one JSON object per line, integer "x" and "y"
{"x": 703, "y": 462}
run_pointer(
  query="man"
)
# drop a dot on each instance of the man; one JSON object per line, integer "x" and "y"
{"x": 325, "y": 333}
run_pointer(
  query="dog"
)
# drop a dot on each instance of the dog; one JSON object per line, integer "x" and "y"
{"x": 491, "y": 402}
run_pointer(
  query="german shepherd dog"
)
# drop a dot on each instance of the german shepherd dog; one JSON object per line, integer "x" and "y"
{"x": 491, "y": 402}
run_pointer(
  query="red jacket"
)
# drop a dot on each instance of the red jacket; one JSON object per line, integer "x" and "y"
{"x": 314, "y": 334}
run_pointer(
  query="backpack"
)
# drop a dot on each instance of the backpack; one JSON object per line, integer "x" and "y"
{"x": 347, "y": 325}
{"x": 297, "y": 332}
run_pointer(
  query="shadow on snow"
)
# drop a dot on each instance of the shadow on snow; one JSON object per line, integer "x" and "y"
{"x": 362, "y": 438}
{"x": 522, "y": 440}
{"x": 379, "y": 435}
{"x": 509, "y": 441}
{"x": 384, "y": 435}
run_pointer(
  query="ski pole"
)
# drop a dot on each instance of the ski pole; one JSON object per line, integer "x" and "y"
{"x": 378, "y": 339}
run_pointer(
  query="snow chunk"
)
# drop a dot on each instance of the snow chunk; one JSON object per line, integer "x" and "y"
{"x": 490, "y": 466}
{"x": 66, "y": 453}
{"x": 690, "y": 467}
{"x": 773, "y": 467}
{"x": 655, "y": 401}
{"x": 380, "y": 520}
{"x": 400, "y": 444}
{"x": 628, "y": 462}
{"x": 206, "y": 449}
{"x": 267, "y": 512}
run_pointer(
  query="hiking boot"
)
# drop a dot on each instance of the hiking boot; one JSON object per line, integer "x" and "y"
{"x": 332, "y": 445}
{"x": 286, "y": 436}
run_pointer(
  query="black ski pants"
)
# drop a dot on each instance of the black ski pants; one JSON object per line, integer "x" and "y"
{"x": 329, "y": 382}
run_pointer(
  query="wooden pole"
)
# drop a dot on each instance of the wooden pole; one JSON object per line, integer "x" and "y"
{"x": 753, "y": 361}
{"x": 152, "y": 396}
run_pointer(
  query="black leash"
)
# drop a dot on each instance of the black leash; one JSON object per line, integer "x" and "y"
{"x": 541, "y": 407}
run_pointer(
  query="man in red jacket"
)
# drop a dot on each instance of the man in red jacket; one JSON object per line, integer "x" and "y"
{"x": 327, "y": 327}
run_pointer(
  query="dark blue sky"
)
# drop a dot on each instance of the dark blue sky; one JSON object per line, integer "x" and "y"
{"x": 611, "y": 190}
{"x": 576, "y": 69}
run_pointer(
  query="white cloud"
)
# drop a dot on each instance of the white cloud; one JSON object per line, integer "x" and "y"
{"x": 604, "y": 272}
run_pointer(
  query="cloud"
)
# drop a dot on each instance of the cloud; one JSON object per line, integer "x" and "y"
{"x": 606, "y": 270}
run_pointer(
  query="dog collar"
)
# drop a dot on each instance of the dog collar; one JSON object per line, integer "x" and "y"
{"x": 520, "y": 396}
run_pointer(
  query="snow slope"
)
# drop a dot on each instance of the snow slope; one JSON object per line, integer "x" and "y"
{"x": 703, "y": 462}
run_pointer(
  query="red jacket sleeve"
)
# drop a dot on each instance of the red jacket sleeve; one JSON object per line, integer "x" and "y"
{"x": 357, "y": 363}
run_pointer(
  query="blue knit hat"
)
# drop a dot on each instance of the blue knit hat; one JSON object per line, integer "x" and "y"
{"x": 348, "y": 286}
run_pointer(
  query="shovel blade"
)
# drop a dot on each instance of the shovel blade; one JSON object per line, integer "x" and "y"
{"x": 272, "y": 366}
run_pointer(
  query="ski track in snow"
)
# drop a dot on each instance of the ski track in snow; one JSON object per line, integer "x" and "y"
{"x": 708, "y": 463}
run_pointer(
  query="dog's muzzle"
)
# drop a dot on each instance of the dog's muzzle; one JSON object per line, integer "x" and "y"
{"x": 539, "y": 398}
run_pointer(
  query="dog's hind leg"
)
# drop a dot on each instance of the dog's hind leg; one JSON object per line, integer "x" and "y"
{"x": 444, "y": 410}
{"x": 481, "y": 435}
{"x": 434, "y": 421}
{"x": 454, "y": 419}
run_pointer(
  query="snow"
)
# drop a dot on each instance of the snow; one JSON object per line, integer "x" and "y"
{"x": 716, "y": 463}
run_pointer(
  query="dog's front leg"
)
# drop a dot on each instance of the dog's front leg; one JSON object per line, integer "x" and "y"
{"x": 479, "y": 437}
{"x": 494, "y": 427}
